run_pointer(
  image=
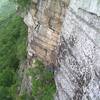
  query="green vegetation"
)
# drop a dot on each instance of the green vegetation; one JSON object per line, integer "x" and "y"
{"x": 13, "y": 35}
{"x": 43, "y": 87}
{"x": 23, "y": 5}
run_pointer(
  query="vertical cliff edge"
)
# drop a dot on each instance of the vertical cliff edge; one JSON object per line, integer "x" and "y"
{"x": 78, "y": 77}
{"x": 67, "y": 33}
{"x": 44, "y": 22}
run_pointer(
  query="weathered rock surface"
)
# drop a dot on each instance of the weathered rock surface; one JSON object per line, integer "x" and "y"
{"x": 78, "y": 57}
{"x": 78, "y": 77}
{"x": 44, "y": 22}
{"x": 92, "y": 6}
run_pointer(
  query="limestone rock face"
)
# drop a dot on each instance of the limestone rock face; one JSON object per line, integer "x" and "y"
{"x": 92, "y": 6}
{"x": 44, "y": 22}
{"x": 78, "y": 77}
{"x": 78, "y": 56}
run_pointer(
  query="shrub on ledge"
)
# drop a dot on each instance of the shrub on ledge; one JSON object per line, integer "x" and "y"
{"x": 43, "y": 85}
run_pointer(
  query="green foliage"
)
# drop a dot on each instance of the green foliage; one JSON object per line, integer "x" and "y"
{"x": 25, "y": 97}
{"x": 43, "y": 83}
{"x": 23, "y": 5}
{"x": 8, "y": 85}
{"x": 5, "y": 94}
{"x": 7, "y": 77}
{"x": 13, "y": 33}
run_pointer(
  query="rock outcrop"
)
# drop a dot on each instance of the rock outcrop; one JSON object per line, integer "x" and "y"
{"x": 78, "y": 77}
{"x": 78, "y": 40}
{"x": 44, "y": 22}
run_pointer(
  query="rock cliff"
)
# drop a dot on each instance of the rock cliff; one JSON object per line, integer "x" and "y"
{"x": 44, "y": 22}
{"x": 78, "y": 77}
{"x": 68, "y": 37}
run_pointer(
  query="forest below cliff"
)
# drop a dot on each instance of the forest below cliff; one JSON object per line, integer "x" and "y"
{"x": 13, "y": 33}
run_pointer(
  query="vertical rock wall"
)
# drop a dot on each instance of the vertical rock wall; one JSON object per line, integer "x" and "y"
{"x": 44, "y": 22}
{"x": 78, "y": 77}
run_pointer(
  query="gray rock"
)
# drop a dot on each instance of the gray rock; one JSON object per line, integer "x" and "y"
{"x": 79, "y": 57}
